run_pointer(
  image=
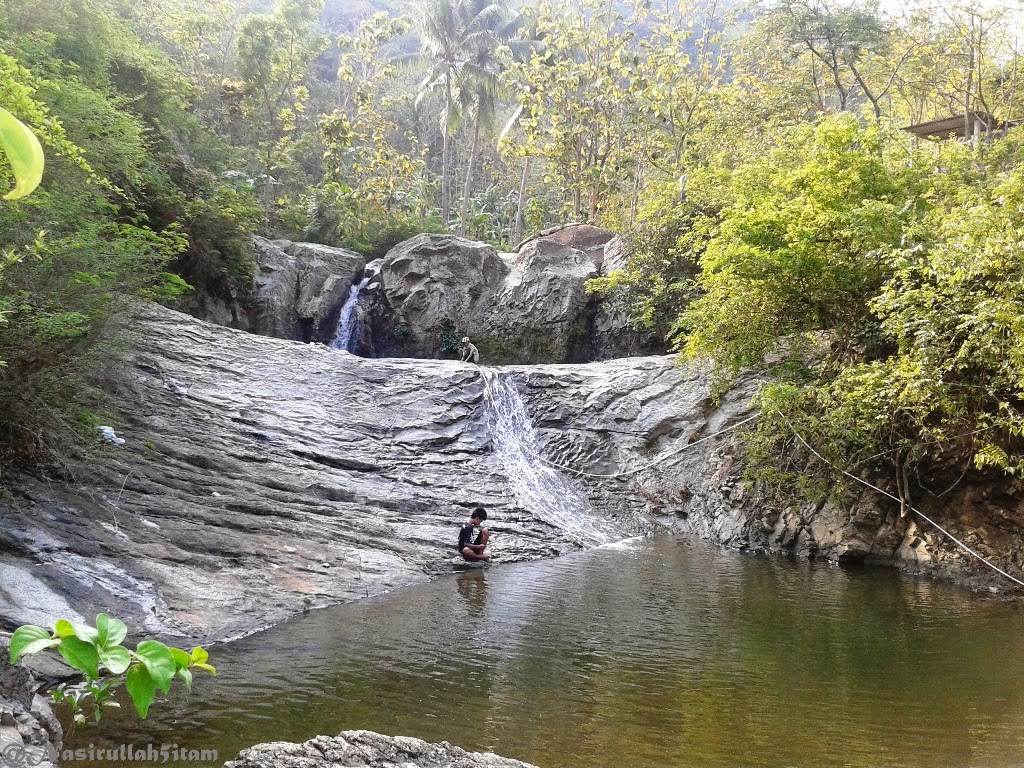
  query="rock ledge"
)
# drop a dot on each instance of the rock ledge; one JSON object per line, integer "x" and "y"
{"x": 366, "y": 749}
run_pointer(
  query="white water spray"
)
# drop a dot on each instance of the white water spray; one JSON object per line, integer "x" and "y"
{"x": 346, "y": 321}
{"x": 553, "y": 497}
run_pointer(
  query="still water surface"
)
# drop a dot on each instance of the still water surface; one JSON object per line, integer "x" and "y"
{"x": 652, "y": 653}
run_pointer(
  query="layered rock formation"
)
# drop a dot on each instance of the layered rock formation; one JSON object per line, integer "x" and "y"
{"x": 366, "y": 749}
{"x": 261, "y": 477}
{"x": 296, "y": 293}
{"x": 30, "y": 735}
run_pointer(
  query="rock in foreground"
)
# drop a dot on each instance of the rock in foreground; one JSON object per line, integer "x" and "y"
{"x": 366, "y": 749}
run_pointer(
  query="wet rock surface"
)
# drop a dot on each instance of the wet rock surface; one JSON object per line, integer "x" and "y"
{"x": 366, "y": 749}
{"x": 262, "y": 477}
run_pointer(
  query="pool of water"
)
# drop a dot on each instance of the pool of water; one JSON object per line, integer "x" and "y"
{"x": 655, "y": 652}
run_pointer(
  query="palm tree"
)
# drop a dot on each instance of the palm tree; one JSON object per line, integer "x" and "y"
{"x": 459, "y": 37}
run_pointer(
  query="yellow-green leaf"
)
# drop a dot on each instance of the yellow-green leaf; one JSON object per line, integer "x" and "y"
{"x": 24, "y": 154}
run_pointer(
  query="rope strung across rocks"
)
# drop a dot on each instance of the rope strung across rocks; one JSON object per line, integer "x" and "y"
{"x": 580, "y": 472}
{"x": 917, "y": 512}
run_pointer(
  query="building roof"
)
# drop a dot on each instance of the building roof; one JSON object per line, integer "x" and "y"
{"x": 945, "y": 127}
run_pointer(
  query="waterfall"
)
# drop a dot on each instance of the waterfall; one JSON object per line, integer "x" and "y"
{"x": 346, "y": 321}
{"x": 536, "y": 486}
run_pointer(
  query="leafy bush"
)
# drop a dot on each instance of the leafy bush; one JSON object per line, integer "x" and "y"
{"x": 152, "y": 666}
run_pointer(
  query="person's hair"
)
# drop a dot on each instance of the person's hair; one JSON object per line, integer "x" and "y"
{"x": 480, "y": 513}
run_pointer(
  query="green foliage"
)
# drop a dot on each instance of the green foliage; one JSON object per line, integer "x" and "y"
{"x": 96, "y": 650}
{"x": 448, "y": 340}
{"x": 895, "y": 293}
{"x": 24, "y": 154}
{"x": 121, "y": 208}
{"x": 664, "y": 245}
{"x": 796, "y": 251}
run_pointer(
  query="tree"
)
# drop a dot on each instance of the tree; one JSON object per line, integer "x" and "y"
{"x": 458, "y": 38}
{"x": 794, "y": 252}
{"x": 275, "y": 52}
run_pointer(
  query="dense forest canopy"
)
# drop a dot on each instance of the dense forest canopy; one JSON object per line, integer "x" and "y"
{"x": 780, "y": 218}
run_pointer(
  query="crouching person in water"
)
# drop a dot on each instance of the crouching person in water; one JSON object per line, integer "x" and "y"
{"x": 474, "y": 550}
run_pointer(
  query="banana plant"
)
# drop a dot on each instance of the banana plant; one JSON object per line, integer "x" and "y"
{"x": 24, "y": 154}
{"x": 152, "y": 666}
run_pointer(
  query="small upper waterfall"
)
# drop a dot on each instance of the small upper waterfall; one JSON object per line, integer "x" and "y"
{"x": 537, "y": 486}
{"x": 346, "y": 321}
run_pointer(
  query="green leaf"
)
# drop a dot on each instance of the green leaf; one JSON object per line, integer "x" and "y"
{"x": 63, "y": 628}
{"x": 141, "y": 688}
{"x": 30, "y": 639}
{"x": 181, "y": 659}
{"x": 159, "y": 661}
{"x": 111, "y": 631}
{"x": 199, "y": 655}
{"x": 102, "y": 622}
{"x": 80, "y": 655}
{"x": 115, "y": 658}
{"x": 205, "y": 668}
{"x": 24, "y": 153}
{"x": 85, "y": 633}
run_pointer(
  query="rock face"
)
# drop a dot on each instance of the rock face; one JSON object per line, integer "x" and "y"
{"x": 530, "y": 306}
{"x": 525, "y": 307}
{"x": 30, "y": 735}
{"x": 261, "y": 477}
{"x": 366, "y": 749}
{"x": 864, "y": 527}
{"x": 297, "y": 292}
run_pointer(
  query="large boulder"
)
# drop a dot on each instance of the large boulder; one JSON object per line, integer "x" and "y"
{"x": 530, "y": 306}
{"x": 524, "y": 307}
{"x": 297, "y": 292}
{"x": 366, "y": 749}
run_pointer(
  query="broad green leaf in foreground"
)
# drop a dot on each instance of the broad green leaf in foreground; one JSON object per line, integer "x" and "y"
{"x": 28, "y": 640}
{"x": 81, "y": 655}
{"x": 141, "y": 687}
{"x": 158, "y": 659}
{"x": 24, "y": 154}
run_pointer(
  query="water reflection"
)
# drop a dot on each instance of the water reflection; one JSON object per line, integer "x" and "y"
{"x": 666, "y": 654}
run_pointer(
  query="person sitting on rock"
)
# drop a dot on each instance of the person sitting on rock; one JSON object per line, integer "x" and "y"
{"x": 470, "y": 354}
{"x": 474, "y": 550}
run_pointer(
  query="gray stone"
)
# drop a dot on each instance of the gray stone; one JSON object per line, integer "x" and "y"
{"x": 29, "y": 733}
{"x": 530, "y": 306}
{"x": 214, "y": 519}
{"x": 296, "y": 293}
{"x": 366, "y": 749}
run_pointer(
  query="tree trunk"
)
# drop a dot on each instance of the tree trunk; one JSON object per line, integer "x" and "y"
{"x": 469, "y": 175}
{"x": 445, "y": 156}
{"x": 517, "y": 225}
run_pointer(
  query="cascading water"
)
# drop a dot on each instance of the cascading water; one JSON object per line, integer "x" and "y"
{"x": 536, "y": 486}
{"x": 346, "y": 321}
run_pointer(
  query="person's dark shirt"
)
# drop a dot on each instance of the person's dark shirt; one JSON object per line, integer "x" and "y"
{"x": 466, "y": 534}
